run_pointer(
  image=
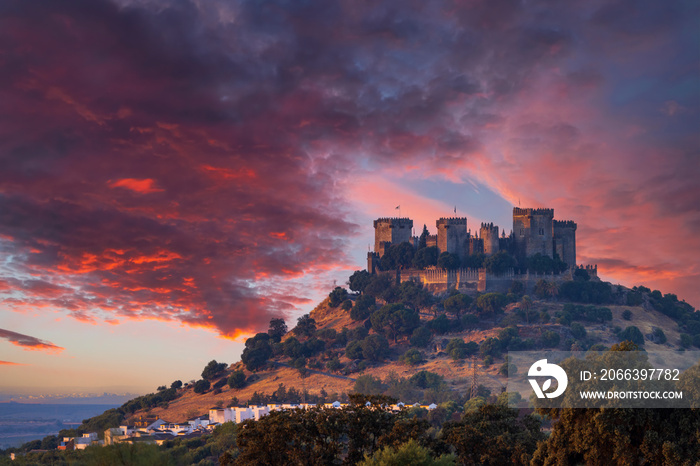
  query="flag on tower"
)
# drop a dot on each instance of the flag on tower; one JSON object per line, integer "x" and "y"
{"x": 455, "y": 210}
{"x": 397, "y": 207}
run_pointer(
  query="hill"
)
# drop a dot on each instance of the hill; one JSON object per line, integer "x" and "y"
{"x": 362, "y": 341}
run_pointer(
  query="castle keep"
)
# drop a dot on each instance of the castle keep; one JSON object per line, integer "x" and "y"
{"x": 534, "y": 231}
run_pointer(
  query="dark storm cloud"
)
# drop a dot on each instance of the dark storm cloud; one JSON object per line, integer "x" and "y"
{"x": 179, "y": 160}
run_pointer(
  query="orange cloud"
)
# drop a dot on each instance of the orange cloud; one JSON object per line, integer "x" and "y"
{"x": 141, "y": 186}
{"x": 28, "y": 342}
{"x": 8, "y": 363}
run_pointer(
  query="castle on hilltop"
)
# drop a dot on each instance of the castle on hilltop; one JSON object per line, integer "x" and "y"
{"x": 535, "y": 231}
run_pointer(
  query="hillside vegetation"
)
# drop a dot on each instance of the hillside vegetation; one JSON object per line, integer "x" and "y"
{"x": 382, "y": 339}
{"x": 392, "y": 342}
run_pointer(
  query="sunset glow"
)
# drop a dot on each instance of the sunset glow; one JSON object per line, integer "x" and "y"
{"x": 204, "y": 167}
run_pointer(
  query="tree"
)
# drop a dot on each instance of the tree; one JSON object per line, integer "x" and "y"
{"x": 499, "y": 263}
{"x": 292, "y": 348}
{"x": 440, "y": 324}
{"x": 397, "y": 256}
{"x": 423, "y": 240}
{"x": 426, "y": 257}
{"x": 526, "y": 305}
{"x": 176, "y": 384}
{"x": 364, "y": 305}
{"x": 490, "y": 303}
{"x": 449, "y": 261}
{"x": 410, "y": 453}
{"x": 632, "y": 334}
{"x": 427, "y": 379}
{"x": 394, "y": 320}
{"x": 542, "y": 289}
{"x": 236, "y": 379}
{"x": 278, "y": 329}
{"x": 494, "y": 435}
{"x": 378, "y": 285}
{"x": 201, "y": 386}
{"x": 337, "y": 296}
{"x": 414, "y": 295}
{"x": 306, "y": 326}
{"x": 474, "y": 261}
{"x": 359, "y": 280}
{"x": 659, "y": 336}
{"x": 578, "y": 331}
{"x": 354, "y": 350}
{"x": 550, "y": 338}
{"x": 602, "y": 436}
{"x": 375, "y": 347}
{"x": 412, "y": 357}
{"x": 213, "y": 369}
{"x": 368, "y": 385}
{"x": 421, "y": 337}
{"x": 457, "y": 304}
{"x": 257, "y": 351}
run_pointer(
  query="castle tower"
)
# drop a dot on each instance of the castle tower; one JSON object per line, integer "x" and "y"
{"x": 388, "y": 231}
{"x": 565, "y": 241}
{"x": 532, "y": 229}
{"x": 489, "y": 235}
{"x": 452, "y": 235}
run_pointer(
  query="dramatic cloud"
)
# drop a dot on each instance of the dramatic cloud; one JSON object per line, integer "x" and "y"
{"x": 193, "y": 161}
{"x": 29, "y": 343}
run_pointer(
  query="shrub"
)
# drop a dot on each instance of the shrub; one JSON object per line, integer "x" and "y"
{"x": 427, "y": 379}
{"x": 374, "y": 347}
{"x": 578, "y": 331}
{"x": 421, "y": 337}
{"x": 347, "y": 305}
{"x": 213, "y": 369}
{"x": 686, "y": 340}
{"x": 550, "y": 339}
{"x": 659, "y": 336}
{"x": 469, "y": 321}
{"x": 490, "y": 347}
{"x": 236, "y": 379}
{"x": 334, "y": 364}
{"x": 201, "y": 386}
{"x": 364, "y": 305}
{"x": 412, "y": 357}
{"x": 627, "y": 314}
{"x": 490, "y": 303}
{"x": 632, "y": 334}
{"x": 440, "y": 324}
{"x": 457, "y": 304}
{"x": 634, "y": 298}
{"x": 337, "y": 296}
{"x": 354, "y": 350}
{"x": 219, "y": 383}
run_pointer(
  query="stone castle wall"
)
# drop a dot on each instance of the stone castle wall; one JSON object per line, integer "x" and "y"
{"x": 473, "y": 280}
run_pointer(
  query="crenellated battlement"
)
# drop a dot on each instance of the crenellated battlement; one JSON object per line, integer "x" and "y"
{"x": 529, "y": 211}
{"x": 451, "y": 221}
{"x": 534, "y": 232}
{"x": 564, "y": 224}
{"x": 394, "y": 221}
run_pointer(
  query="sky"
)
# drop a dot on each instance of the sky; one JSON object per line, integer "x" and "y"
{"x": 175, "y": 174}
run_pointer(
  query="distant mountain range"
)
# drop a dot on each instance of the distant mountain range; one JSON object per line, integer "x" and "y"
{"x": 73, "y": 398}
